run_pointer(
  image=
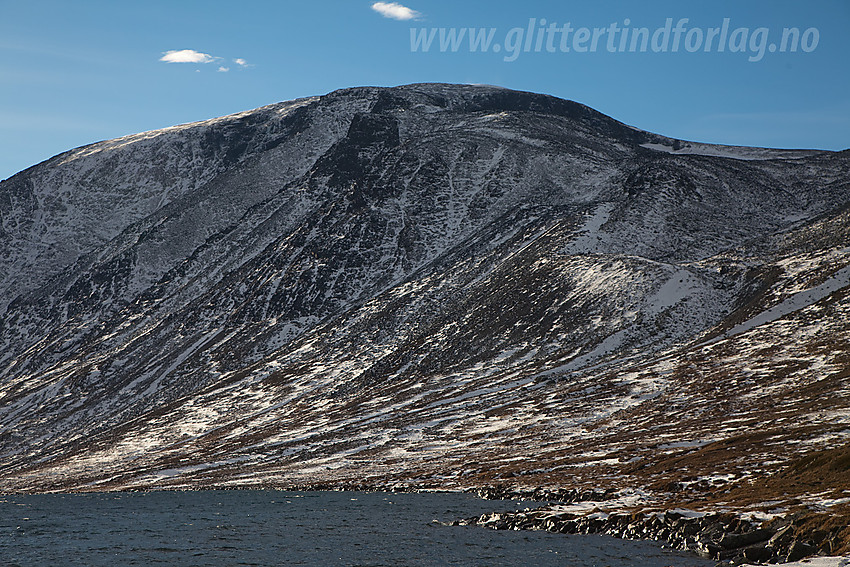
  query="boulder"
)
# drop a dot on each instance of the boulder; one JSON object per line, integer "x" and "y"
{"x": 734, "y": 541}
{"x": 800, "y": 550}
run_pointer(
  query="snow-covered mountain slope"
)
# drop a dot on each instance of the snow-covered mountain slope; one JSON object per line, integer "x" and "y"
{"x": 432, "y": 285}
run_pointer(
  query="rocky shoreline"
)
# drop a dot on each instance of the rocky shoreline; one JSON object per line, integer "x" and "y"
{"x": 725, "y": 537}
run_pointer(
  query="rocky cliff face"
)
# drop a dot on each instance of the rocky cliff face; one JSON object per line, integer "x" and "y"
{"x": 429, "y": 285}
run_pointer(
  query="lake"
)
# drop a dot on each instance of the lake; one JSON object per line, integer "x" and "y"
{"x": 267, "y": 527}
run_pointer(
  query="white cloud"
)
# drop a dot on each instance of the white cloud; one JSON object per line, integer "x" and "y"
{"x": 223, "y": 69}
{"x": 241, "y": 62}
{"x": 395, "y": 11}
{"x": 187, "y": 56}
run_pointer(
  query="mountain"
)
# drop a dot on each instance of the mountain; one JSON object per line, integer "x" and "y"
{"x": 428, "y": 286}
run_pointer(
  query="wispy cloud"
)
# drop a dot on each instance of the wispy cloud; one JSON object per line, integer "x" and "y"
{"x": 192, "y": 56}
{"x": 395, "y": 11}
{"x": 187, "y": 56}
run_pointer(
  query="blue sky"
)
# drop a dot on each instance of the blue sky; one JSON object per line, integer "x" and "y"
{"x": 78, "y": 72}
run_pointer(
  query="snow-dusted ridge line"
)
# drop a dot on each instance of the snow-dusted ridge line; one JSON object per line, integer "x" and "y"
{"x": 149, "y": 135}
{"x": 745, "y": 153}
{"x": 799, "y": 301}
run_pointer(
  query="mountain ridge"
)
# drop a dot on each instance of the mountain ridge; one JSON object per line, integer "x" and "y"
{"x": 427, "y": 286}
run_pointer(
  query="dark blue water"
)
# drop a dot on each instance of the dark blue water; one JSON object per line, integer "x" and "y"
{"x": 231, "y": 528}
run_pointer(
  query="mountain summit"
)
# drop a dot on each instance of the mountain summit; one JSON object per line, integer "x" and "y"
{"x": 427, "y": 286}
